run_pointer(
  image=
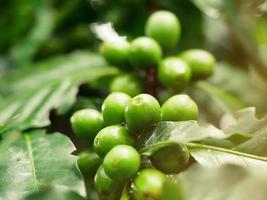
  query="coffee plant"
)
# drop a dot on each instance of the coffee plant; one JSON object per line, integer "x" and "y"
{"x": 133, "y": 100}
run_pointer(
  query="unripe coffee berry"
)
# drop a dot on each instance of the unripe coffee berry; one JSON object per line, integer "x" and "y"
{"x": 171, "y": 159}
{"x": 86, "y": 123}
{"x": 122, "y": 162}
{"x": 144, "y": 52}
{"x": 148, "y": 185}
{"x": 174, "y": 73}
{"x": 113, "y": 108}
{"x": 88, "y": 163}
{"x": 128, "y": 84}
{"x": 116, "y": 53}
{"x": 164, "y": 27}
{"x": 200, "y": 61}
{"x": 142, "y": 112}
{"x": 109, "y": 137}
{"x": 179, "y": 108}
{"x": 107, "y": 188}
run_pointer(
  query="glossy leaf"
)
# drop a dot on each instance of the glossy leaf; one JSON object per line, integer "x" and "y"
{"x": 220, "y": 95}
{"x": 224, "y": 100}
{"x": 210, "y": 156}
{"x": 183, "y": 132}
{"x": 54, "y": 194}
{"x": 208, "y": 145}
{"x": 53, "y": 84}
{"x": 190, "y": 131}
{"x": 247, "y": 122}
{"x": 242, "y": 86}
{"x": 227, "y": 182}
{"x": 32, "y": 161}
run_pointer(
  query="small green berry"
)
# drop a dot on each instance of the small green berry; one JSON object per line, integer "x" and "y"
{"x": 179, "y": 108}
{"x": 200, "y": 61}
{"x": 148, "y": 185}
{"x": 88, "y": 163}
{"x": 144, "y": 52}
{"x": 109, "y": 137}
{"x": 122, "y": 162}
{"x": 171, "y": 159}
{"x": 113, "y": 108}
{"x": 107, "y": 188}
{"x": 142, "y": 112}
{"x": 174, "y": 73}
{"x": 128, "y": 84}
{"x": 86, "y": 123}
{"x": 116, "y": 53}
{"x": 164, "y": 27}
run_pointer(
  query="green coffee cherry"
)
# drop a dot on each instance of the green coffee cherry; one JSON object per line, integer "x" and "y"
{"x": 179, "y": 108}
{"x": 86, "y": 123}
{"x": 142, "y": 112}
{"x": 174, "y": 73}
{"x": 113, "y": 108}
{"x": 128, "y": 84}
{"x": 88, "y": 163}
{"x": 116, "y": 53}
{"x": 171, "y": 159}
{"x": 109, "y": 137}
{"x": 164, "y": 27}
{"x": 122, "y": 162}
{"x": 107, "y": 188}
{"x": 200, "y": 61}
{"x": 144, "y": 52}
{"x": 148, "y": 185}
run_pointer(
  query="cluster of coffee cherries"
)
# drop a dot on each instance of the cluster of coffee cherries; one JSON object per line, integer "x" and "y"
{"x": 114, "y": 131}
{"x": 131, "y": 111}
{"x": 146, "y": 55}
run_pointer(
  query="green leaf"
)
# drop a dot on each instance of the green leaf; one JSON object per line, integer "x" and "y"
{"x": 183, "y": 132}
{"x": 211, "y": 7}
{"x": 208, "y": 145}
{"x": 190, "y": 131}
{"x": 220, "y": 95}
{"x": 52, "y": 84}
{"x": 246, "y": 122}
{"x": 226, "y": 101}
{"x": 228, "y": 182}
{"x": 32, "y": 161}
{"x": 79, "y": 66}
{"x": 23, "y": 53}
{"x": 210, "y": 156}
{"x": 54, "y": 194}
{"x": 254, "y": 93}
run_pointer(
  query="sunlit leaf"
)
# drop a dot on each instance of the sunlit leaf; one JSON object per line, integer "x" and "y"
{"x": 32, "y": 161}
{"x": 52, "y": 193}
{"x": 52, "y": 84}
{"x": 247, "y": 122}
{"x": 209, "y": 156}
{"x": 227, "y": 182}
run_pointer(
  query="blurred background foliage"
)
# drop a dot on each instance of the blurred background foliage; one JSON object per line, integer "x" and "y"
{"x": 35, "y": 31}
